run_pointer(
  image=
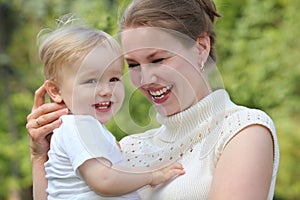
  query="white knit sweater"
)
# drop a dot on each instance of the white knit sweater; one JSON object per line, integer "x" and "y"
{"x": 196, "y": 138}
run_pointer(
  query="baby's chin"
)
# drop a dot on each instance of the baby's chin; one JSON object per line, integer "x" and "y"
{"x": 101, "y": 117}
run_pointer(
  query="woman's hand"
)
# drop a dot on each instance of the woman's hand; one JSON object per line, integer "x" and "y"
{"x": 42, "y": 120}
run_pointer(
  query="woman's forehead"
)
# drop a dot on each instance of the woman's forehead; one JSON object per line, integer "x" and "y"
{"x": 134, "y": 39}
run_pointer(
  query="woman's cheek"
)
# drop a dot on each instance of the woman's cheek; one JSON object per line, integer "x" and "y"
{"x": 135, "y": 78}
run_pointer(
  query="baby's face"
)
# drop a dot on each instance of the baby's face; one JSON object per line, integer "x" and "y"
{"x": 95, "y": 88}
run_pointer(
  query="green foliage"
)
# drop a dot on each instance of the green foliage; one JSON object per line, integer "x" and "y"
{"x": 258, "y": 60}
{"x": 258, "y": 51}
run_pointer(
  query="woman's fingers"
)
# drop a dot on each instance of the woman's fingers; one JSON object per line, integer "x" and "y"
{"x": 40, "y": 129}
{"x": 46, "y": 113}
{"x": 39, "y": 97}
{"x": 41, "y": 113}
{"x": 45, "y": 118}
{"x": 41, "y": 122}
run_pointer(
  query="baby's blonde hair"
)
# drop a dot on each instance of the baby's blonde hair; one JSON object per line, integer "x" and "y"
{"x": 67, "y": 46}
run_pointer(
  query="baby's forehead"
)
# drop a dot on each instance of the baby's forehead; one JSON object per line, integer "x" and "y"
{"x": 101, "y": 60}
{"x": 101, "y": 55}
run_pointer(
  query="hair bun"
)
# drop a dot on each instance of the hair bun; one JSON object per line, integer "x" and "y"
{"x": 210, "y": 8}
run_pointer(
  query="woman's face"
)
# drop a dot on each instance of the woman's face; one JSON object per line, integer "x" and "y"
{"x": 164, "y": 69}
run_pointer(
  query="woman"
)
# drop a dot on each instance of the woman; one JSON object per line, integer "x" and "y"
{"x": 228, "y": 151}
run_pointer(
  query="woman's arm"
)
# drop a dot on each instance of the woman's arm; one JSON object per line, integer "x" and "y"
{"x": 244, "y": 170}
{"x": 110, "y": 180}
{"x": 42, "y": 120}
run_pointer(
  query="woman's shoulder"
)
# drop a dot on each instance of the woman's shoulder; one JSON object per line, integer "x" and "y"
{"x": 241, "y": 117}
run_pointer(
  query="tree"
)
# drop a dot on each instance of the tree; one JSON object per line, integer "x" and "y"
{"x": 259, "y": 62}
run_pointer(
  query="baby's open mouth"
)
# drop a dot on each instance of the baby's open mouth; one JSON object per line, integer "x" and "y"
{"x": 103, "y": 105}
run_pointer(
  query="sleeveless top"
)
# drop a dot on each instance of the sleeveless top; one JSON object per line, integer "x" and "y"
{"x": 196, "y": 138}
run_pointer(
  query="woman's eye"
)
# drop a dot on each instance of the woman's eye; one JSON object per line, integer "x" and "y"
{"x": 159, "y": 60}
{"x": 114, "y": 79}
{"x": 132, "y": 65}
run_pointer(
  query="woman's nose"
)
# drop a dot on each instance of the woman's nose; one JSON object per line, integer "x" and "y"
{"x": 148, "y": 75}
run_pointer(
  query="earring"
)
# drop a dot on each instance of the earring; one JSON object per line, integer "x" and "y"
{"x": 202, "y": 66}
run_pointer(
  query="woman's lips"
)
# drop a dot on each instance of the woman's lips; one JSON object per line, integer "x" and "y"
{"x": 160, "y": 95}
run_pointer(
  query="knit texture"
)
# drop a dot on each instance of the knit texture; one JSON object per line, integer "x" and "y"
{"x": 196, "y": 138}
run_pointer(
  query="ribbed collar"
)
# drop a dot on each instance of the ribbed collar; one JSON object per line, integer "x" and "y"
{"x": 180, "y": 125}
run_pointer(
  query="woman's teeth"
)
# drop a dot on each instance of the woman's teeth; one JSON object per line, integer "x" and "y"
{"x": 160, "y": 93}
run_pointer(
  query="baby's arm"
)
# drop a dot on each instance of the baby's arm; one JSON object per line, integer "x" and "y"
{"x": 110, "y": 180}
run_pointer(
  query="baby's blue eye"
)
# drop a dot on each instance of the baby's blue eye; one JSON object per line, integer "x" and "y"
{"x": 114, "y": 79}
{"x": 91, "y": 81}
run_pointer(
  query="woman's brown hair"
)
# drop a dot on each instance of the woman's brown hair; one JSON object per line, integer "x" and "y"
{"x": 190, "y": 17}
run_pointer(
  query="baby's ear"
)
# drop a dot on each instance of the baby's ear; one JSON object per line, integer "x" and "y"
{"x": 53, "y": 91}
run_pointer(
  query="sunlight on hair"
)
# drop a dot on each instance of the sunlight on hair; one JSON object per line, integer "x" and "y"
{"x": 67, "y": 19}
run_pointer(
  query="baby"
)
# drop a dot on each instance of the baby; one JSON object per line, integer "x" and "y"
{"x": 83, "y": 69}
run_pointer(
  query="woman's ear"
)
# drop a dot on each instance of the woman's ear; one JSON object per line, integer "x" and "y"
{"x": 203, "y": 44}
{"x": 53, "y": 91}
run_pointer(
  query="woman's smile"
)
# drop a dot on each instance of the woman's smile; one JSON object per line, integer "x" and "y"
{"x": 160, "y": 95}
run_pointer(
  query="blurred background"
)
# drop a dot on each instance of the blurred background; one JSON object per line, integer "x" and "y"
{"x": 258, "y": 56}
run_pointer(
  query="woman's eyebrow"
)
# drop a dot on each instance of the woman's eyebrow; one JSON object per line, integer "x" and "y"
{"x": 153, "y": 54}
{"x": 129, "y": 59}
{"x": 158, "y": 51}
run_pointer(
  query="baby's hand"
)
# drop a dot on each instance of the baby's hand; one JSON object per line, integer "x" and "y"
{"x": 166, "y": 173}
